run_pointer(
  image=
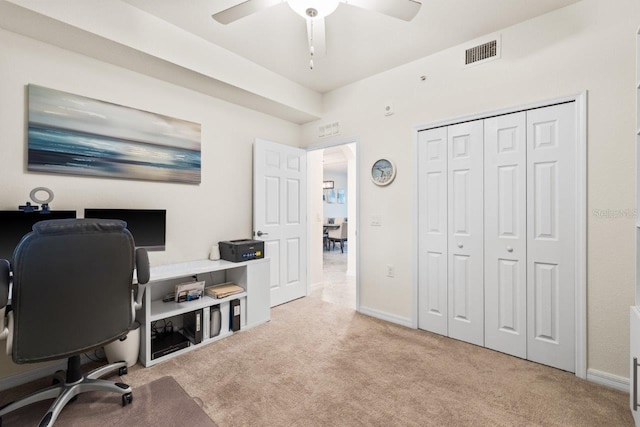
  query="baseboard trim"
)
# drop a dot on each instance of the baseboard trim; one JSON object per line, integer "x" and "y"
{"x": 36, "y": 373}
{"x": 404, "y": 321}
{"x": 608, "y": 380}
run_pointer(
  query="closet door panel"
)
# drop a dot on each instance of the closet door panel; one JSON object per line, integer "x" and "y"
{"x": 505, "y": 270}
{"x": 551, "y": 211}
{"x": 465, "y": 236}
{"x": 432, "y": 239}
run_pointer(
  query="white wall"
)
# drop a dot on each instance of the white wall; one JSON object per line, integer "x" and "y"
{"x": 316, "y": 215}
{"x": 586, "y": 46}
{"x": 220, "y": 208}
{"x": 336, "y": 210}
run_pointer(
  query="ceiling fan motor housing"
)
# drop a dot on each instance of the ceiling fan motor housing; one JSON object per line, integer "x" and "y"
{"x": 314, "y": 8}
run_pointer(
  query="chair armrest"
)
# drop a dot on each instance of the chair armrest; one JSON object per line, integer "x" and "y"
{"x": 4, "y": 282}
{"x": 142, "y": 274}
{"x": 5, "y": 326}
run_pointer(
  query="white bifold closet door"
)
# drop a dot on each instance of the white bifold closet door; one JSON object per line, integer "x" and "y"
{"x": 497, "y": 209}
{"x": 505, "y": 233}
{"x": 551, "y": 232}
{"x": 465, "y": 232}
{"x": 432, "y": 274}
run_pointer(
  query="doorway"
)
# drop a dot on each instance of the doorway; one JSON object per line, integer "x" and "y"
{"x": 333, "y": 223}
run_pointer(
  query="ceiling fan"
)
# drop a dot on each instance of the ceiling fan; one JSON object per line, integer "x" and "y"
{"x": 314, "y": 12}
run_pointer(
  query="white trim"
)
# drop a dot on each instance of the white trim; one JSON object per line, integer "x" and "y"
{"x": 581, "y": 237}
{"x": 608, "y": 380}
{"x": 414, "y": 239}
{"x": 581, "y": 208}
{"x": 382, "y": 315}
{"x": 499, "y": 112}
{"x": 328, "y": 144}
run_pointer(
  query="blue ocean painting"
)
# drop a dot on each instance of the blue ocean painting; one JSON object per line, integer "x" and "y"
{"x": 72, "y": 134}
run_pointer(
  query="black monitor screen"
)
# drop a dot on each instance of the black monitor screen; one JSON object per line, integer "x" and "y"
{"x": 146, "y": 225}
{"x": 15, "y": 224}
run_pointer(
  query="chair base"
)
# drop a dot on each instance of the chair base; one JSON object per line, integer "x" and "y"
{"x": 64, "y": 391}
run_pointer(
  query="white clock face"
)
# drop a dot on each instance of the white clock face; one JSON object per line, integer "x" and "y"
{"x": 382, "y": 172}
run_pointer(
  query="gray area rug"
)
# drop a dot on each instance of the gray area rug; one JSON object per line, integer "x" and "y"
{"x": 162, "y": 402}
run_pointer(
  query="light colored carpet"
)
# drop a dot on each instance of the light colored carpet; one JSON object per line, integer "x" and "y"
{"x": 160, "y": 403}
{"x": 318, "y": 363}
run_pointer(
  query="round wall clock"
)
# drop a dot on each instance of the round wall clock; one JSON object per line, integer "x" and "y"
{"x": 383, "y": 172}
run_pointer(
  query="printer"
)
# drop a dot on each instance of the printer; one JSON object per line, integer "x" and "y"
{"x": 241, "y": 250}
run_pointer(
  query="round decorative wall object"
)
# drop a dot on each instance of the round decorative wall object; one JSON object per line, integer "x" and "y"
{"x": 383, "y": 172}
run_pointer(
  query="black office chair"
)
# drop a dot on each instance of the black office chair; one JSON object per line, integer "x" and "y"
{"x": 72, "y": 292}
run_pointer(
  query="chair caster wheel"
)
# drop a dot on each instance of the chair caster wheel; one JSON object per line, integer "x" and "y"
{"x": 127, "y": 398}
{"x": 123, "y": 371}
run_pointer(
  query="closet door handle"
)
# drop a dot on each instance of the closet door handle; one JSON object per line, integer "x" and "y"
{"x": 460, "y": 245}
{"x": 509, "y": 249}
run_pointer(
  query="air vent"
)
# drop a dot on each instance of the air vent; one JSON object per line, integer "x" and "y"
{"x": 482, "y": 53}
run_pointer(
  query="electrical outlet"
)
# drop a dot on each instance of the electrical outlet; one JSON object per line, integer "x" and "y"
{"x": 391, "y": 270}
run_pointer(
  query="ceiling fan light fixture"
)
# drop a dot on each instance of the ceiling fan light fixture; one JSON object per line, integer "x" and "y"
{"x": 314, "y": 8}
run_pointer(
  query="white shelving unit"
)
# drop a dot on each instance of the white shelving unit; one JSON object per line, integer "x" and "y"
{"x": 253, "y": 276}
{"x": 634, "y": 312}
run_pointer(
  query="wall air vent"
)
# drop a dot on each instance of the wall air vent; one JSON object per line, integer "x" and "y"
{"x": 482, "y": 53}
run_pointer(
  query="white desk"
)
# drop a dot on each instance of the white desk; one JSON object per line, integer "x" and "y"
{"x": 252, "y": 275}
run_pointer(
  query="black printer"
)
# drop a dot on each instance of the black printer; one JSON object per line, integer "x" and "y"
{"x": 241, "y": 250}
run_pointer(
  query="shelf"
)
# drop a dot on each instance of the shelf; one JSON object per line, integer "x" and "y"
{"x": 188, "y": 349}
{"x": 175, "y": 271}
{"x": 253, "y": 276}
{"x": 162, "y": 310}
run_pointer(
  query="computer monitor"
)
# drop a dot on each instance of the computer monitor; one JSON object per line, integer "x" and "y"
{"x": 15, "y": 224}
{"x": 147, "y": 226}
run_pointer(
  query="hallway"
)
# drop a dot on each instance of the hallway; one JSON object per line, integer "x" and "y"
{"x": 336, "y": 287}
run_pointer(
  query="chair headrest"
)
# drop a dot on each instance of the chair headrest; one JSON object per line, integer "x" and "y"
{"x": 78, "y": 226}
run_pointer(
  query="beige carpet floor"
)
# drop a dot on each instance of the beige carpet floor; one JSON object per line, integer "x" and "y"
{"x": 317, "y": 363}
{"x": 320, "y": 364}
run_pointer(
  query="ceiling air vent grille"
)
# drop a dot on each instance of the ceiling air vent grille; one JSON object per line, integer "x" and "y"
{"x": 481, "y": 52}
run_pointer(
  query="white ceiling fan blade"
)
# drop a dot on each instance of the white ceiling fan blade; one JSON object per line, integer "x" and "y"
{"x": 243, "y": 9}
{"x": 316, "y": 37}
{"x": 401, "y": 9}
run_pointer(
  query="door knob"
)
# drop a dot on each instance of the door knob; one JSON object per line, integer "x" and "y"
{"x": 460, "y": 245}
{"x": 260, "y": 234}
{"x": 509, "y": 249}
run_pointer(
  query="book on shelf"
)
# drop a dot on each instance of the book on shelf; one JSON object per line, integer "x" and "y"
{"x": 223, "y": 290}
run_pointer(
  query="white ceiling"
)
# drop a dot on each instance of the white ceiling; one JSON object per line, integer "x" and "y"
{"x": 360, "y": 43}
{"x": 334, "y": 160}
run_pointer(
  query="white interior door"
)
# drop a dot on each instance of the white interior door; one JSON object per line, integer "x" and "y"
{"x": 551, "y": 212}
{"x": 465, "y": 230}
{"x": 505, "y": 233}
{"x": 432, "y": 232}
{"x": 280, "y": 216}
